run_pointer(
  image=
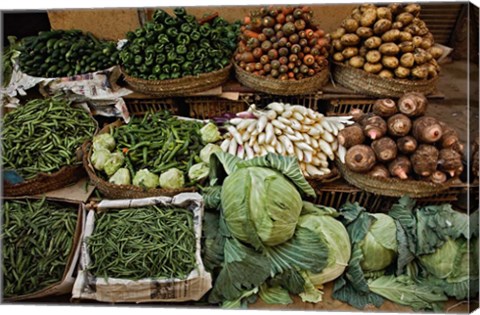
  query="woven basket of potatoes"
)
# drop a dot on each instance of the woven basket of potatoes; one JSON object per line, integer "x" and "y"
{"x": 385, "y": 51}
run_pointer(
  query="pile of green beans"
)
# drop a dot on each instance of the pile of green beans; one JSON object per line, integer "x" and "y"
{"x": 139, "y": 243}
{"x": 158, "y": 142}
{"x": 43, "y": 136}
{"x": 37, "y": 238}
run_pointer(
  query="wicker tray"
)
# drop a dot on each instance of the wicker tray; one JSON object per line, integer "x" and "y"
{"x": 392, "y": 187}
{"x": 289, "y": 87}
{"x": 185, "y": 86}
{"x": 374, "y": 85}
{"x": 113, "y": 191}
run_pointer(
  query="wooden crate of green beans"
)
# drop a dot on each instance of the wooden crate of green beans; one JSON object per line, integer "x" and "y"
{"x": 40, "y": 247}
{"x": 143, "y": 253}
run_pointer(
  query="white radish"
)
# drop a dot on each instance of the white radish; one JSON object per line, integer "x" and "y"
{"x": 278, "y": 131}
{"x": 307, "y": 139}
{"x": 280, "y": 148}
{"x": 314, "y": 171}
{"x": 316, "y": 161}
{"x": 327, "y": 136}
{"x": 274, "y": 141}
{"x": 314, "y": 143}
{"x": 236, "y": 121}
{"x": 341, "y": 152}
{"x": 252, "y": 141}
{"x": 271, "y": 114}
{"x": 278, "y": 107}
{"x": 245, "y": 136}
{"x": 326, "y": 126}
{"x": 311, "y": 114}
{"x": 294, "y": 137}
{"x": 284, "y": 120}
{"x": 325, "y": 170}
{"x": 314, "y": 132}
{"x": 270, "y": 149}
{"x": 287, "y": 113}
{"x": 240, "y": 152}
{"x": 247, "y": 114}
{"x": 319, "y": 127}
{"x": 232, "y": 148}
{"x": 298, "y": 116}
{"x": 303, "y": 146}
{"x": 299, "y": 154}
{"x": 334, "y": 146}
{"x": 289, "y": 130}
{"x": 256, "y": 148}
{"x": 296, "y": 125}
{"x": 225, "y": 145}
{"x": 308, "y": 121}
{"x": 269, "y": 133}
{"x": 252, "y": 126}
{"x": 249, "y": 152}
{"x": 262, "y": 123}
{"x": 307, "y": 156}
{"x": 287, "y": 144}
{"x": 325, "y": 147}
{"x": 278, "y": 124}
{"x": 236, "y": 135}
{"x": 303, "y": 167}
{"x": 261, "y": 138}
{"x": 322, "y": 156}
{"x": 245, "y": 123}
{"x": 300, "y": 109}
{"x": 263, "y": 151}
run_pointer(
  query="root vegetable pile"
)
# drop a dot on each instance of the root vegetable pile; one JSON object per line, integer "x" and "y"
{"x": 282, "y": 43}
{"x": 289, "y": 130}
{"x": 398, "y": 140}
{"x": 390, "y": 41}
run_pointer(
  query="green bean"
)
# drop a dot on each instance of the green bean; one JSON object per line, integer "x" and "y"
{"x": 37, "y": 239}
{"x": 146, "y": 242}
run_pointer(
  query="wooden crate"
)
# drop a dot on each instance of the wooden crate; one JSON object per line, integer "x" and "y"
{"x": 341, "y": 107}
{"x": 139, "y": 107}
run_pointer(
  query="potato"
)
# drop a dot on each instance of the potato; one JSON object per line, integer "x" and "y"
{"x": 364, "y": 32}
{"x": 413, "y": 9}
{"x": 435, "y": 63}
{"x": 390, "y": 62}
{"x": 357, "y": 62}
{"x": 367, "y": 7}
{"x": 407, "y": 60}
{"x": 406, "y": 47}
{"x": 405, "y": 17}
{"x": 372, "y": 67}
{"x": 391, "y": 36}
{"x": 389, "y": 49}
{"x": 417, "y": 41}
{"x": 402, "y": 72}
{"x": 337, "y": 45}
{"x": 420, "y": 56}
{"x": 426, "y": 43}
{"x": 412, "y": 29}
{"x": 384, "y": 13}
{"x": 386, "y": 74}
{"x": 349, "y": 52}
{"x": 428, "y": 35}
{"x": 395, "y": 7}
{"x": 432, "y": 71}
{"x": 381, "y": 26}
{"x": 423, "y": 31}
{"x": 373, "y": 42}
{"x": 373, "y": 56}
{"x": 356, "y": 14}
{"x": 435, "y": 51}
{"x": 397, "y": 25}
{"x": 405, "y": 37}
{"x": 350, "y": 25}
{"x": 350, "y": 40}
{"x": 363, "y": 51}
{"x": 368, "y": 17}
{"x": 420, "y": 72}
{"x": 428, "y": 56}
{"x": 338, "y": 33}
{"x": 338, "y": 56}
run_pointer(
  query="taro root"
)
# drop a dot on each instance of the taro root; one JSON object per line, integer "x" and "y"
{"x": 413, "y": 104}
{"x": 438, "y": 177}
{"x": 357, "y": 114}
{"x": 360, "y": 158}
{"x": 407, "y": 144}
{"x": 385, "y": 107}
{"x": 424, "y": 160}
{"x": 426, "y": 129}
{"x": 350, "y": 136}
{"x": 400, "y": 167}
{"x": 374, "y": 126}
{"x": 385, "y": 149}
{"x": 399, "y": 125}
{"x": 450, "y": 161}
{"x": 379, "y": 170}
{"x": 449, "y": 136}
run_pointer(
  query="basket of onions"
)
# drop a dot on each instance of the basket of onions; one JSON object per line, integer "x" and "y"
{"x": 281, "y": 51}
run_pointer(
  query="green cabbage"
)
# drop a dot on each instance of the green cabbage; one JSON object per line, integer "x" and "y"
{"x": 121, "y": 177}
{"x": 144, "y": 178}
{"x": 104, "y": 141}
{"x": 207, "y": 151}
{"x": 335, "y": 236}
{"x": 262, "y": 197}
{"x": 114, "y": 162}
{"x": 379, "y": 247}
{"x": 99, "y": 157}
{"x": 210, "y": 133}
{"x": 198, "y": 172}
{"x": 172, "y": 179}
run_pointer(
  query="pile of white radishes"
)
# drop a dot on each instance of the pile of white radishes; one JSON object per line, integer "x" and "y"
{"x": 288, "y": 130}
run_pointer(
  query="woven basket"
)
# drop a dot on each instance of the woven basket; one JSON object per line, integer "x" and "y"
{"x": 43, "y": 182}
{"x": 113, "y": 191}
{"x": 185, "y": 86}
{"x": 363, "y": 82}
{"x": 278, "y": 87}
{"x": 391, "y": 187}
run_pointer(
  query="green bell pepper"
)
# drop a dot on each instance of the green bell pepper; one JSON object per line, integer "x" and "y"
{"x": 143, "y": 69}
{"x": 190, "y": 56}
{"x": 157, "y": 70}
{"x": 172, "y": 32}
{"x": 175, "y": 68}
{"x": 152, "y": 77}
{"x": 138, "y": 59}
{"x": 159, "y": 28}
{"x": 180, "y": 59}
{"x": 164, "y": 76}
{"x": 170, "y": 21}
{"x": 160, "y": 59}
{"x": 195, "y": 35}
{"x": 179, "y": 12}
{"x": 163, "y": 39}
{"x": 158, "y": 47}
{"x": 186, "y": 28}
{"x": 181, "y": 49}
{"x": 171, "y": 56}
{"x": 183, "y": 39}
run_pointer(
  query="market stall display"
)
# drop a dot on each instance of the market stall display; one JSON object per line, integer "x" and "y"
{"x": 40, "y": 247}
{"x": 398, "y": 142}
{"x": 62, "y": 53}
{"x": 282, "y": 51}
{"x": 158, "y": 154}
{"x": 40, "y": 141}
{"x": 284, "y": 129}
{"x": 178, "y": 55}
{"x": 388, "y": 47}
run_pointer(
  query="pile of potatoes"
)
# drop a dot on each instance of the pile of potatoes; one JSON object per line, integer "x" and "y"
{"x": 390, "y": 41}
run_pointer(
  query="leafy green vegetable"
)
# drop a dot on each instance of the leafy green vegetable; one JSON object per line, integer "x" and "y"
{"x": 146, "y": 179}
{"x": 99, "y": 157}
{"x": 113, "y": 163}
{"x": 274, "y": 295}
{"x": 121, "y": 177}
{"x": 104, "y": 141}
{"x": 210, "y": 133}
{"x": 198, "y": 172}
{"x": 172, "y": 179}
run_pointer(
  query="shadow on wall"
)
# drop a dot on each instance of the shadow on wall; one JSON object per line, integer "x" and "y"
{"x": 23, "y": 23}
